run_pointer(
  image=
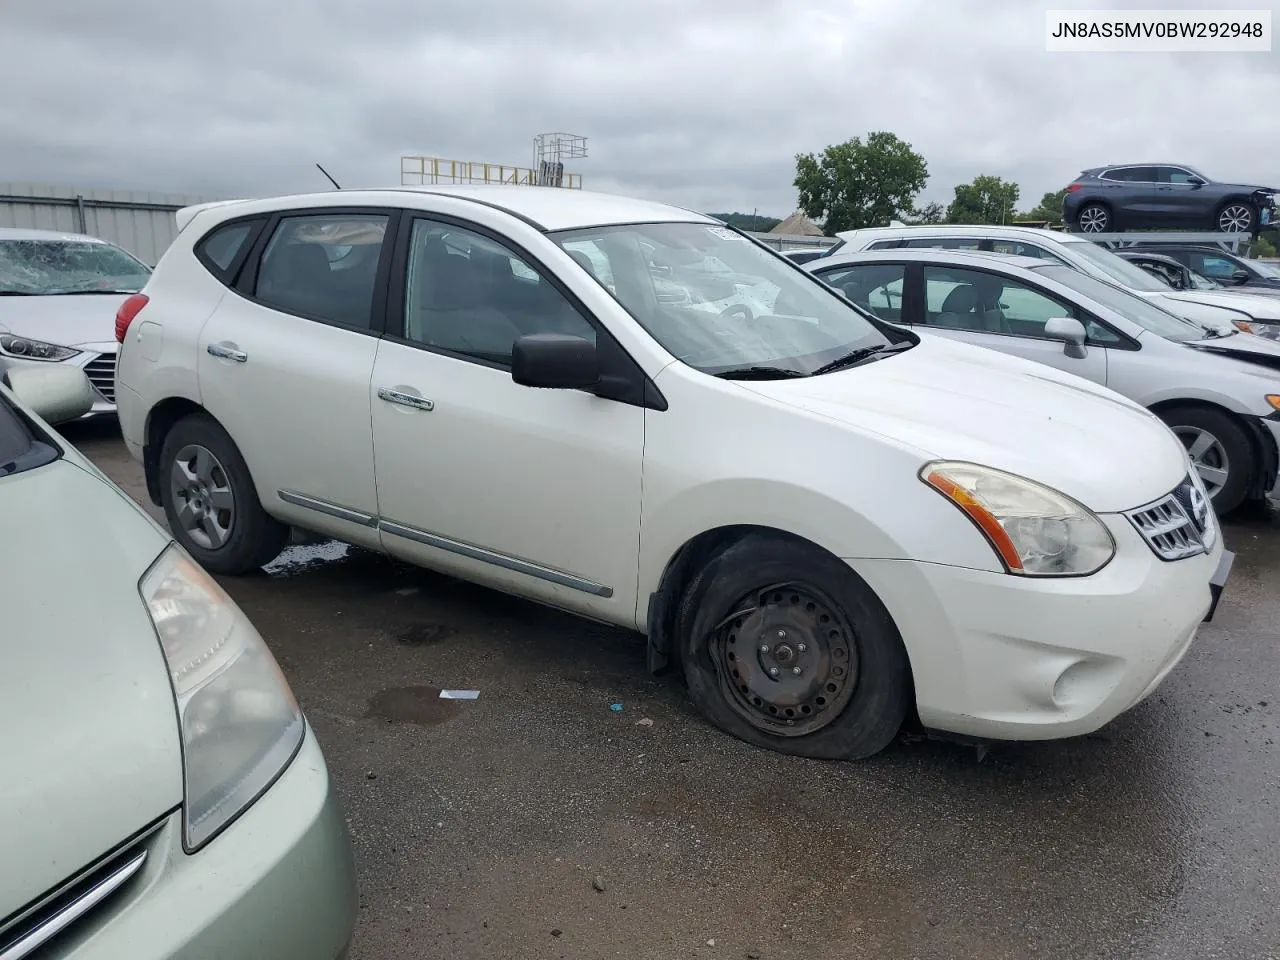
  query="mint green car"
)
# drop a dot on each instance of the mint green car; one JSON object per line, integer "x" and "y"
{"x": 163, "y": 795}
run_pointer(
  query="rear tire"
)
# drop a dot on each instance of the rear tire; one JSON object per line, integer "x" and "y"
{"x": 210, "y": 501}
{"x": 840, "y": 686}
{"x": 1094, "y": 218}
{"x": 1217, "y": 445}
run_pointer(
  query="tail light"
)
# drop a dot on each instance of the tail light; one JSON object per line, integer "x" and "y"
{"x": 128, "y": 310}
{"x": 1074, "y": 187}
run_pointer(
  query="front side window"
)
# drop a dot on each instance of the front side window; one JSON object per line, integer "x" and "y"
{"x": 63, "y": 267}
{"x": 1020, "y": 248}
{"x": 324, "y": 267}
{"x": 1117, "y": 269}
{"x": 945, "y": 243}
{"x": 470, "y": 295}
{"x": 718, "y": 301}
{"x": 875, "y": 287}
{"x": 1215, "y": 267}
{"x": 1175, "y": 175}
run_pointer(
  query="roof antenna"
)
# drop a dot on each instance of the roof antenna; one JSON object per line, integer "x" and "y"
{"x": 330, "y": 179}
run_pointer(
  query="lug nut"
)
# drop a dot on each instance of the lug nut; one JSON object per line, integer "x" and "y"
{"x": 800, "y": 647}
{"x": 773, "y": 671}
{"x": 764, "y": 648}
{"x": 782, "y": 634}
{"x": 796, "y": 671}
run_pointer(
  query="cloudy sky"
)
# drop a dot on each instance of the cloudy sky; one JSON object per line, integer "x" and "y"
{"x": 700, "y": 102}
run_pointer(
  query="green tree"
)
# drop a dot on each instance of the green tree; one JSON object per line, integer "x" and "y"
{"x": 987, "y": 200}
{"x": 929, "y": 213}
{"x": 860, "y": 183}
{"x": 1049, "y": 208}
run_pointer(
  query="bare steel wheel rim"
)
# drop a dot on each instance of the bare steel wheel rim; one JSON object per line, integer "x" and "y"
{"x": 1208, "y": 457}
{"x": 1093, "y": 220}
{"x": 1236, "y": 218}
{"x": 202, "y": 497}
{"x": 787, "y": 659}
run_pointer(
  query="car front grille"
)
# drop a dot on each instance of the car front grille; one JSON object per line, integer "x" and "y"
{"x": 76, "y": 901}
{"x": 101, "y": 371}
{"x": 1179, "y": 524}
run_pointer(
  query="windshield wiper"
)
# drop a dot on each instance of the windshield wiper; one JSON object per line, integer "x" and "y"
{"x": 862, "y": 353}
{"x": 18, "y": 293}
{"x": 759, "y": 373}
{"x": 85, "y": 293}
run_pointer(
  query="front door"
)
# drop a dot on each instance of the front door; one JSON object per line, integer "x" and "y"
{"x": 999, "y": 313}
{"x": 532, "y": 491}
{"x": 284, "y": 365}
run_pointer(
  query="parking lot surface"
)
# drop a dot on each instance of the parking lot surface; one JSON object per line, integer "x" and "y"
{"x": 538, "y": 822}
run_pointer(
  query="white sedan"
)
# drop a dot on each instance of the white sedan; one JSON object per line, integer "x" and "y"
{"x": 1218, "y": 391}
{"x": 59, "y": 293}
{"x": 824, "y": 520}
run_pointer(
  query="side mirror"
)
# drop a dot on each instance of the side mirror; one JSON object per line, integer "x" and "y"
{"x": 1072, "y": 332}
{"x": 1240, "y": 277}
{"x": 554, "y": 361}
{"x": 1195, "y": 181}
{"x": 55, "y": 392}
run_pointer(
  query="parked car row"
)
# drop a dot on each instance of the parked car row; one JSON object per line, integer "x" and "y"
{"x": 969, "y": 488}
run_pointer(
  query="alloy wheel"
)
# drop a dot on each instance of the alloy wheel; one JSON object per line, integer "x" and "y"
{"x": 202, "y": 497}
{"x": 788, "y": 659}
{"x": 1208, "y": 457}
{"x": 1236, "y": 218}
{"x": 1093, "y": 220}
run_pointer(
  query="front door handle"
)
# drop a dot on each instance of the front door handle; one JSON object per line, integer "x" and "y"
{"x": 405, "y": 399}
{"x": 227, "y": 352}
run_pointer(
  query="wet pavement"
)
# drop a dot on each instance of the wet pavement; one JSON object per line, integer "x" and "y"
{"x": 485, "y": 828}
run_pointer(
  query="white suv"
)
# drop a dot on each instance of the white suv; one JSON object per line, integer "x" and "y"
{"x": 825, "y": 520}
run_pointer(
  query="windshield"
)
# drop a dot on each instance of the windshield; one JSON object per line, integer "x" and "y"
{"x": 720, "y": 302}
{"x": 1118, "y": 269}
{"x": 1130, "y": 306}
{"x": 51, "y": 267}
{"x": 1264, "y": 268}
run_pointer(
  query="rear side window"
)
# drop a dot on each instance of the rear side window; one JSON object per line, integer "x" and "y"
{"x": 323, "y": 267}
{"x": 220, "y": 250}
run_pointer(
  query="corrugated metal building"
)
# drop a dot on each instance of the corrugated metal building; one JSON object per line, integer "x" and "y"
{"x": 141, "y": 222}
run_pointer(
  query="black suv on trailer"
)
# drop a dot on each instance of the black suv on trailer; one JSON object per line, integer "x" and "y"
{"x": 1150, "y": 196}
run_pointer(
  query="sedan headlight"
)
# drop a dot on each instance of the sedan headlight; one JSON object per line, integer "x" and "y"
{"x": 1269, "y": 330}
{"x": 239, "y": 720}
{"x": 28, "y": 349}
{"x": 1035, "y": 531}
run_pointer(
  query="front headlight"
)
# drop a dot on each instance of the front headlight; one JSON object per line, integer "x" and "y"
{"x": 1269, "y": 330}
{"x": 239, "y": 720}
{"x": 1035, "y": 531}
{"x": 28, "y": 349}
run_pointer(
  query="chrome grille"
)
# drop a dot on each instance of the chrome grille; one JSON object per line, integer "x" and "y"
{"x": 76, "y": 900}
{"x": 1179, "y": 524}
{"x": 101, "y": 371}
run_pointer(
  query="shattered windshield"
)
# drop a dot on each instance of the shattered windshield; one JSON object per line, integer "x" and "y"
{"x": 53, "y": 267}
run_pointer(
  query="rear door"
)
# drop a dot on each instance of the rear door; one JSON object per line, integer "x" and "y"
{"x": 999, "y": 313}
{"x": 285, "y": 363}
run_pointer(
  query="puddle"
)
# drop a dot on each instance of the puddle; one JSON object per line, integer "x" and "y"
{"x": 417, "y": 705}
{"x": 302, "y": 557}
{"x": 422, "y": 634}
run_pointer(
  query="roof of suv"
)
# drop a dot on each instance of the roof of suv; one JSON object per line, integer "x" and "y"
{"x": 977, "y": 258}
{"x": 1031, "y": 234}
{"x": 549, "y": 208}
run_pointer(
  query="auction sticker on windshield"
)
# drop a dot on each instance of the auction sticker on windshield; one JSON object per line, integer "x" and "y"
{"x": 724, "y": 233}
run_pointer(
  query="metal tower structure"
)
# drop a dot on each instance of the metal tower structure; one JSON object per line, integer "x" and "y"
{"x": 550, "y": 151}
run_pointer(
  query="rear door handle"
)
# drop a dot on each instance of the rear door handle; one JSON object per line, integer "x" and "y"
{"x": 227, "y": 352}
{"x": 405, "y": 399}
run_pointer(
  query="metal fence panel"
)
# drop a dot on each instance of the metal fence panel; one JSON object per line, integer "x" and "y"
{"x": 142, "y": 222}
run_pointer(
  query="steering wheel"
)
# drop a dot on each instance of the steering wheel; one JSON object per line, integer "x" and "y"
{"x": 738, "y": 308}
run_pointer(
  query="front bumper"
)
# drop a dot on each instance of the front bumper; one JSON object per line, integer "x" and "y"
{"x": 1017, "y": 658}
{"x": 278, "y": 883}
{"x": 98, "y": 361}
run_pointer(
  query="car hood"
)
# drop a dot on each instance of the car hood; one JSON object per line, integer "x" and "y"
{"x": 958, "y": 402}
{"x": 67, "y": 321}
{"x": 1259, "y": 307}
{"x": 90, "y": 750}
{"x": 1257, "y": 351}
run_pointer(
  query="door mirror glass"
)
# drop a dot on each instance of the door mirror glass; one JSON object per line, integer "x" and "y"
{"x": 1195, "y": 181}
{"x": 554, "y": 360}
{"x": 1069, "y": 330}
{"x": 55, "y": 393}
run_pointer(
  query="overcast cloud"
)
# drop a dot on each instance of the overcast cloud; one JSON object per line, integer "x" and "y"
{"x": 703, "y": 103}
